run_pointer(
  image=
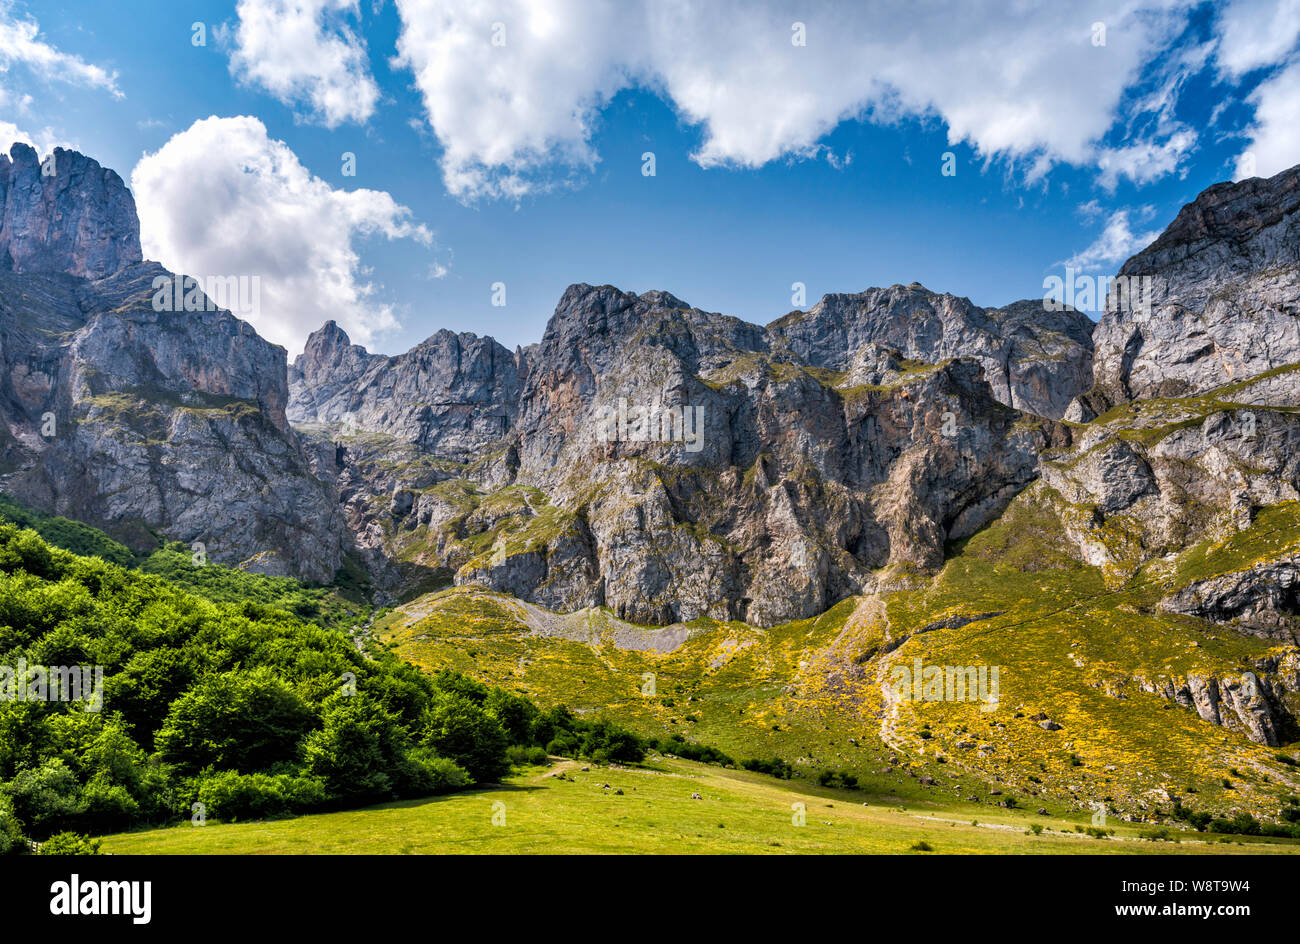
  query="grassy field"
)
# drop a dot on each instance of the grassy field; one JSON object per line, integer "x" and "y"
{"x": 739, "y": 812}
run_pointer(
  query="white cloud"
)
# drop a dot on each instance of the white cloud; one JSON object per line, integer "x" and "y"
{"x": 1115, "y": 244}
{"x": 224, "y": 199}
{"x": 1275, "y": 133}
{"x": 1144, "y": 161}
{"x": 20, "y": 44}
{"x": 11, "y": 134}
{"x": 45, "y": 140}
{"x": 1256, "y": 33}
{"x": 305, "y": 52}
{"x": 1022, "y": 82}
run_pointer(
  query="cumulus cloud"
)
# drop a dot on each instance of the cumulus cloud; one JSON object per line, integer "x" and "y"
{"x": 513, "y": 90}
{"x": 1115, "y": 244}
{"x": 1275, "y": 133}
{"x": 45, "y": 140}
{"x": 1256, "y": 33}
{"x": 224, "y": 199}
{"x": 11, "y": 134}
{"x": 20, "y": 44}
{"x": 1144, "y": 161}
{"x": 304, "y": 52}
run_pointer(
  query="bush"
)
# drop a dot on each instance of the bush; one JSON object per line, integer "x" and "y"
{"x": 359, "y": 753}
{"x": 1158, "y": 834}
{"x": 67, "y": 843}
{"x": 241, "y": 720}
{"x": 438, "y": 774}
{"x": 520, "y": 756}
{"x": 229, "y": 795}
{"x": 775, "y": 767}
{"x": 566, "y": 745}
{"x": 679, "y": 746}
{"x": 605, "y": 741}
{"x": 46, "y": 796}
{"x": 12, "y": 840}
{"x": 459, "y": 728}
{"x": 107, "y": 807}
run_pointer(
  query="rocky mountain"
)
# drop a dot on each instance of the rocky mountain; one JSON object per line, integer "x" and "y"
{"x": 1211, "y": 302}
{"x": 150, "y": 423}
{"x": 66, "y": 214}
{"x": 647, "y": 456}
{"x": 796, "y": 459}
{"x": 449, "y": 395}
{"x": 1108, "y": 514}
{"x": 1034, "y": 360}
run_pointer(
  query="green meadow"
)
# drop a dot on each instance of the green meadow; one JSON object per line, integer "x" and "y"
{"x": 574, "y": 807}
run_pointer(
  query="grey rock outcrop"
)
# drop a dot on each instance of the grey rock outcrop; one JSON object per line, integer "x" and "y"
{"x": 144, "y": 422}
{"x": 1254, "y": 702}
{"x": 1215, "y": 299}
{"x": 451, "y": 395}
{"x": 1034, "y": 360}
{"x": 66, "y": 214}
{"x": 1263, "y": 600}
{"x": 765, "y": 488}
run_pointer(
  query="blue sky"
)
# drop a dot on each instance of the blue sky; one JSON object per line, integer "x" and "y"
{"x": 775, "y": 163}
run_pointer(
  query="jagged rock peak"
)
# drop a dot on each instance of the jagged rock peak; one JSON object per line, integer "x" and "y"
{"x": 1035, "y": 360}
{"x": 1228, "y": 210}
{"x": 65, "y": 214}
{"x": 605, "y": 307}
{"x": 1214, "y": 300}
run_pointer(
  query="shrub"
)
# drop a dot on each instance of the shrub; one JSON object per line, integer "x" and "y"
{"x": 107, "y": 807}
{"x": 45, "y": 796}
{"x": 67, "y": 843}
{"x": 229, "y": 795}
{"x": 242, "y": 720}
{"x": 459, "y": 728}
{"x": 775, "y": 767}
{"x": 354, "y": 751}
{"x": 520, "y": 756}
{"x": 566, "y": 745}
{"x": 440, "y": 775}
{"x": 604, "y": 741}
{"x": 12, "y": 839}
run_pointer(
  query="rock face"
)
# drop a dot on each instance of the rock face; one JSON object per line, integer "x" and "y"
{"x": 1263, "y": 600}
{"x": 1034, "y": 360}
{"x": 1152, "y": 480}
{"x": 66, "y": 214}
{"x": 1254, "y": 703}
{"x": 140, "y": 421}
{"x": 450, "y": 395}
{"x": 1223, "y": 303}
{"x": 1197, "y": 393}
{"x": 663, "y": 461}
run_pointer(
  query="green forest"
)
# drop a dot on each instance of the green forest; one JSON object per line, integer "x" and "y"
{"x": 226, "y": 695}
